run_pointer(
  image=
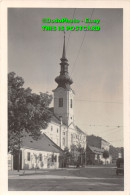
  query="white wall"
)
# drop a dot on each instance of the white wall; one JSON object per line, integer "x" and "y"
{"x": 66, "y": 112}
{"x": 66, "y": 132}
{"x": 10, "y": 162}
{"x": 34, "y": 154}
{"x": 53, "y": 132}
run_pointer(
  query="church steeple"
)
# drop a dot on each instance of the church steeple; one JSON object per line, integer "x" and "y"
{"x": 64, "y": 52}
{"x": 64, "y": 80}
{"x": 63, "y": 94}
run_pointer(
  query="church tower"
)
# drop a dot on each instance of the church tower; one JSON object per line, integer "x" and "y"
{"x": 63, "y": 94}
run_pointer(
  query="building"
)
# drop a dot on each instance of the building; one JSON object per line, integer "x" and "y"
{"x": 95, "y": 156}
{"x": 62, "y": 129}
{"x": 98, "y": 142}
{"x": 95, "y": 149}
{"x": 43, "y": 153}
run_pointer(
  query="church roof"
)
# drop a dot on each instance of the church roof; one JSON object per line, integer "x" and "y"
{"x": 42, "y": 144}
{"x": 96, "y": 150}
{"x": 55, "y": 119}
{"x": 79, "y": 130}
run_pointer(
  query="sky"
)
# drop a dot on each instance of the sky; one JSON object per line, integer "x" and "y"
{"x": 95, "y": 63}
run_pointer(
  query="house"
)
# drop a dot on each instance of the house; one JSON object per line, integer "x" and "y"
{"x": 42, "y": 153}
{"x": 94, "y": 156}
{"x": 95, "y": 148}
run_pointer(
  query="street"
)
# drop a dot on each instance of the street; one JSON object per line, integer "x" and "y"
{"x": 71, "y": 179}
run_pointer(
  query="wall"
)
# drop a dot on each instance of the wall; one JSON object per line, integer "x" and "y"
{"x": 53, "y": 132}
{"x": 10, "y": 162}
{"x": 35, "y": 159}
{"x": 66, "y": 112}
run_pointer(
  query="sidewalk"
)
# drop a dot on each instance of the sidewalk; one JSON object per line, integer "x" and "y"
{"x": 21, "y": 172}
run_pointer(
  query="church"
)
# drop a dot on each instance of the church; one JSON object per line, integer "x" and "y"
{"x": 61, "y": 132}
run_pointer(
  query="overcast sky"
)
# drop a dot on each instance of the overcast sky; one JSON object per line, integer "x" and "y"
{"x": 95, "y": 63}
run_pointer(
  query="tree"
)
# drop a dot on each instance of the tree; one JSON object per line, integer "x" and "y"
{"x": 105, "y": 155}
{"x": 27, "y": 112}
{"x": 81, "y": 151}
{"x": 65, "y": 157}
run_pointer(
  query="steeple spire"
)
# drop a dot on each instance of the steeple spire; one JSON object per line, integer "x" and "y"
{"x": 64, "y": 80}
{"x": 64, "y": 52}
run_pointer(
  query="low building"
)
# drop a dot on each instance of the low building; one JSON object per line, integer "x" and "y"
{"x": 95, "y": 148}
{"x": 94, "y": 156}
{"x": 40, "y": 154}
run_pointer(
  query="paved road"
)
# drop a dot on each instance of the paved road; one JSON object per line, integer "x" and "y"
{"x": 83, "y": 179}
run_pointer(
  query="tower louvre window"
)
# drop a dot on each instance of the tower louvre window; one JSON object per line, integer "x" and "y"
{"x": 60, "y": 102}
{"x": 71, "y": 103}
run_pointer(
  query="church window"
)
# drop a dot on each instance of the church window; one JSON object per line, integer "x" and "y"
{"x": 51, "y": 128}
{"x": 57, "y": 130}
{"x": 28, "y": 156}
{"x": 60, "y": 102}
{"x": 71, "y": 103}
{"x": 40, "y": 157}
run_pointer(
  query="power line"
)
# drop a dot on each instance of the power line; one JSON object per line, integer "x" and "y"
{"x": 80, "y": 47}
{"x": 92, "y": 125}
{"x": 85, "y": 100}
{"x": 110, "y": 131}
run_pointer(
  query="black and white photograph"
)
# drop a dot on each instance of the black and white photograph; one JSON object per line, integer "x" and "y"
{"x": 65, "y": 120}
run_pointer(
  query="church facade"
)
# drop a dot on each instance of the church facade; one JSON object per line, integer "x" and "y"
{"x": 62, "y": 130}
